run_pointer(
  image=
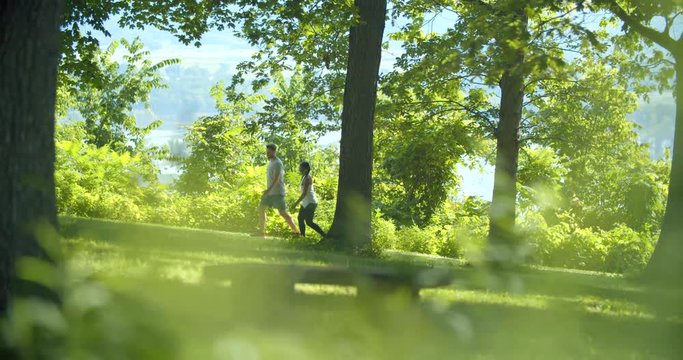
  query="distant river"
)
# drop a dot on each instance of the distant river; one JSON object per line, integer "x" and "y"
{"x": 159, "y": 137}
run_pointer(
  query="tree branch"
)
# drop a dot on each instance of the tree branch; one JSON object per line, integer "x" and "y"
{"x": 668, "y": 22}
{"x": 661, "y": 39}
{"x": 459, "y": 106}
{"x": 483, "y": 4}
{"x": 560, "y": 16}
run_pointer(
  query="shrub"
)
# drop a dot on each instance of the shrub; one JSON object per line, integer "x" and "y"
{"x": 472, "y": 233}
{"x": 620, "y": 249}
{"x": 450, "y": 242}
{"x": 99, "y": 182}
{"x": 383, "y": 232}
{"x": 558, "y": 246}
{"x": 628, "y": 250}
{"x": 582, "y": 249}
{"x": 543, "y": 240}
{"x": 414, "y": 239}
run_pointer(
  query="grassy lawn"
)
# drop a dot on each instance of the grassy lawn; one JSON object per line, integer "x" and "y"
{"x": 157, "y": 296}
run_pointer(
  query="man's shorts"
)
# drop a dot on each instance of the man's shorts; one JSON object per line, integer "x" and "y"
{"x": 274, "y": 201}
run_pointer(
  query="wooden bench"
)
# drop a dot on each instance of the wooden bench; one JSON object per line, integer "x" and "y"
{"x": 366, "y": 279}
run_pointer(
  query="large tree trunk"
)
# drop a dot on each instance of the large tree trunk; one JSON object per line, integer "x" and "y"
{"x": 29, "y": 55}
{"x": 351, "y": 225}
{"x": 502, "y": 241}
{"x": 666, "y": 264}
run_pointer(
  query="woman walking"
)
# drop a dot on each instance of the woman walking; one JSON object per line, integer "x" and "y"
{"x": 308, "y": 201}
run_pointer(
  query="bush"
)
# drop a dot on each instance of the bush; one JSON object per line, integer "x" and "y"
{"x": 461, "y": 228}
{"x": 471, "y": 233}
{"x": 582, "y": 249}
{"x": 545, "y": 243}
{"x": 414, "y": 239}
{"x": 450, "y": 244}
{"x": 561, "y": 246}
{"x": 383, "y": 232}
{"x": 620, "y": 249}
{"x": 628, "y": 250}
{"x": 98, "y": 182}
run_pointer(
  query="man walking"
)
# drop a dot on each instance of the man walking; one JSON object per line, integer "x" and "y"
{"x": 274, "y": 195}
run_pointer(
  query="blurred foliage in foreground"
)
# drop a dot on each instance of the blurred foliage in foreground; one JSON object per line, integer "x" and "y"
{"x": 140, "y": 291}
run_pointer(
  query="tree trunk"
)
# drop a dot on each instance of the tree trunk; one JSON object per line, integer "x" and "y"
{"x": 666, "y": 264}
{"x": 351, "y": 224}
{"x": 502, "y": 248}
{"x": 29, "y": 56}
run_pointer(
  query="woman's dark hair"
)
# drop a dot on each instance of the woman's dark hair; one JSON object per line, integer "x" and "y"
{"x": 306, "y": 166}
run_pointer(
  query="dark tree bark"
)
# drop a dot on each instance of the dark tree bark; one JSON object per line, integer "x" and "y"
{"x": 666, "y": 264}
{"x": 29, "y": 55}
{"x": 502, "y": 242}
{"x": 351, "y": 224}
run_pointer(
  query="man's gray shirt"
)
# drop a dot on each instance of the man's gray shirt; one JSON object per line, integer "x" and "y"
{"x": 274, "y": 168}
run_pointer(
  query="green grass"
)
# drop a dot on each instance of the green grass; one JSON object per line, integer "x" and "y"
{"x": 534, "y": 313}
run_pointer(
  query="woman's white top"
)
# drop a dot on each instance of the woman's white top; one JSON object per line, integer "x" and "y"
{"x": 310, "y": 195}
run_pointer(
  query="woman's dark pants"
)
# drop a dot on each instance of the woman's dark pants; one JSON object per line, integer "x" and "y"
{"x": 306, "y": 218}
